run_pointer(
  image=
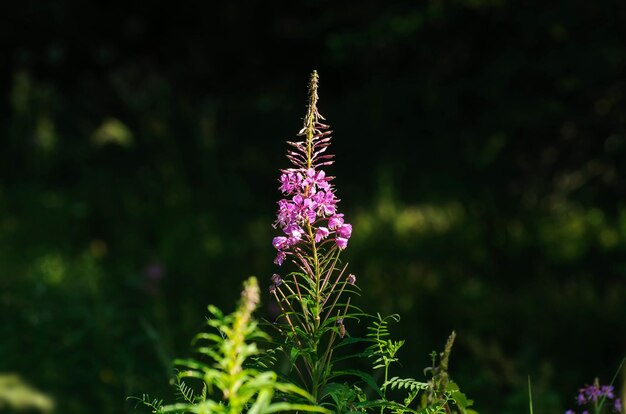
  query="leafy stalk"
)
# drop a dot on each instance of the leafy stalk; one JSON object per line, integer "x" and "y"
{"x": 315, "y": 235}
{"x": 230, "y": 384}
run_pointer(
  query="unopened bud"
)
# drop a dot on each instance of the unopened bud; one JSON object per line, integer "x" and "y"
{"x": 276, "y": 279}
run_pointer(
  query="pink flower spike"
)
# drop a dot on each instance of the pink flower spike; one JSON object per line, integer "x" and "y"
{"x": 308, "y": 209}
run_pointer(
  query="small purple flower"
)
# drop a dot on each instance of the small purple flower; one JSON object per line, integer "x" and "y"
{"x": 298, "y": 200}
{"x": 305, "y": 208}
{"x": 351, "y": 279}
{"x": 321, "y": 234}
{"x": 280, "y": 242}
{"x": 294, "y": 231}
{"x": 570, "y": 412}
{"x": 607, "y": 390}
{"x": 316, "y": 179}
{"x": 326, "y": 203}
{"x": 286, "y": 213}
{"x": 345, "y": 231}
{"x": 286, "y": 185}
{"x": 280, "y": 258}
{"x": 342, "y": 243}
{"x": 581, "y": 399}
{"x": 591, "y": 393}
{"x": 617, "y": 405}
{"x": 335, "y": 221}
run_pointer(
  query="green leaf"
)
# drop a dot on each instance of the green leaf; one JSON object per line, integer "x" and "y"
{"x": 367, "y": 378}
{"x": 294, "y": 353}
{"x": 277, "y": 407}
{"x": 340, "y": 393}
{"x": 206, "y": 336}
{"x": 262, "y": 402}
{"x": 459, "y": 398}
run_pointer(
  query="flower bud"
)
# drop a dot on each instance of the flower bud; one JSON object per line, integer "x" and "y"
{"x": 276, "y": 279}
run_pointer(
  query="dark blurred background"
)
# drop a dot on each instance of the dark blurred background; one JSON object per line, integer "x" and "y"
{"x": 481, "y": 150}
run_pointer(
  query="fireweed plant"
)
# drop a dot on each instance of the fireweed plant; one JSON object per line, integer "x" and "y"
{"x": 314, "y": 294}
{"x": 314, "y": 298}
{"x": 314, "y": 235}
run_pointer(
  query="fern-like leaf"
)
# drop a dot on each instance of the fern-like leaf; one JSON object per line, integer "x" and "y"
{"x": 406, "y": 384}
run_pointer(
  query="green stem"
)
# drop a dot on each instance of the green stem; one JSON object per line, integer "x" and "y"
{"x": 382, "y": 409}
{"x": 310, "y": 120}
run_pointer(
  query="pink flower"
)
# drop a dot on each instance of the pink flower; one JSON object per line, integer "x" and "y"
{"x": 341, "y": 242}
{"x": 294, "y": 231}
{"x": 335, "y": 221}
{"x": 315, "y": 180}
{"x": 345, "y": 231}
{"x": 280, "y": 242}
{"x": 326, "y": 203}
{"x": 280, "y": 258}
{"x": 321, "y": 233}
{"x": 289, "y": 181}
{"x": 286, "y": 213}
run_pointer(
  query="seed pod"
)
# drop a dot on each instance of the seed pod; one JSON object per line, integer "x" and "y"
{"x": 342, "y": 328}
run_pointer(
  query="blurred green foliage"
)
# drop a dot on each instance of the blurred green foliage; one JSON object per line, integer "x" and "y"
{"x": 15, "y": 395}
{"x": 480, "y": 148}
